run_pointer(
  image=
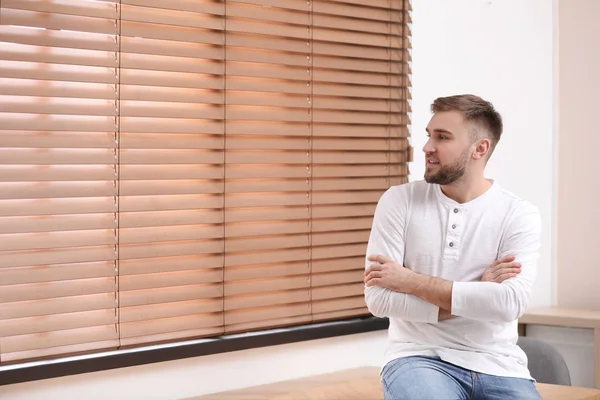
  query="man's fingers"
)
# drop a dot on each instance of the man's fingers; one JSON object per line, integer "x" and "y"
{"x": 372, "y": 275}
{"x": 508, "y": 270}
{"x": 373, "y": 267}
{"x": 503, "y": 260}
{"x": 379, "y": 258}
{"x": 506, "y": 265}
{"x": 503, "y": 277}
{"x": 373, "y": 282}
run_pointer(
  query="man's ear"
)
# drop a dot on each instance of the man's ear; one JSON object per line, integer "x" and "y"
{"x": 482, "y": 149}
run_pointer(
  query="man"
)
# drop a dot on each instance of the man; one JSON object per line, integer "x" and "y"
{"x": 451, "y": 261}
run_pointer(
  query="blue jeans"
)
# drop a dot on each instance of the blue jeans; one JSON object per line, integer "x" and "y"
{"x": 430, "y": 378}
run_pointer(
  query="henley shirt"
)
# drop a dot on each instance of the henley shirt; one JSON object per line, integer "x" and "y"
{"x": 419, "y": 227}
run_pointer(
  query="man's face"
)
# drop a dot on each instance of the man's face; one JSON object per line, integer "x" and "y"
{"x": 447, "y": 150}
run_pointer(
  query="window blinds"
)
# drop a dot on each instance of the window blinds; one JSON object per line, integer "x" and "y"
{"x": 190, "y": 168}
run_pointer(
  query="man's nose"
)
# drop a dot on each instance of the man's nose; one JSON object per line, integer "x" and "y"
{"x": 428, "y": 148}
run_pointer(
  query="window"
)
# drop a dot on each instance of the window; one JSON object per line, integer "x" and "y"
{"x": 174, "y": 169}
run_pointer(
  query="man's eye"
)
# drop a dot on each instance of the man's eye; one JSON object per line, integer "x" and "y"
{"x": 442, "y": 137}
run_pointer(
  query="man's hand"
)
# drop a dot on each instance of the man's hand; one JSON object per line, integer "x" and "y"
{"x": 387, "y": 273}
{"x": 501, "y": 270}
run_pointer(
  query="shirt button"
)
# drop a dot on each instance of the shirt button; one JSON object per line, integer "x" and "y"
{"x": 455, "y": 210}
{"x": 453, "y": 226}
{"x": 451, "y": 244}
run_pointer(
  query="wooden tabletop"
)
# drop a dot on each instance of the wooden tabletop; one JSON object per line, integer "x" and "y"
{"x": 360, "y": 384}
{"x": 562, "y": 316}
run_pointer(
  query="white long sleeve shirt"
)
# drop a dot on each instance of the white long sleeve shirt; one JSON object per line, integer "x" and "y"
{"x": 431, "y": 234}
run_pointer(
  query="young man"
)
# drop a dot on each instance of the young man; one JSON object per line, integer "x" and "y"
{"x": 451, "y": 261}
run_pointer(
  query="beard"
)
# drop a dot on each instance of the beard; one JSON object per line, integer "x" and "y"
{"x": 449, "y": 174}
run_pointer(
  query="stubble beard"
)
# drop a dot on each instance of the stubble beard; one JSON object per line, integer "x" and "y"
{"x": 449, "y": 174}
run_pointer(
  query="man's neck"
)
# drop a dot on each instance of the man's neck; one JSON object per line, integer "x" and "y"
{"x": 466, "y": 190}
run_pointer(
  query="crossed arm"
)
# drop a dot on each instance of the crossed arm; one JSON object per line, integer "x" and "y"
{"x": 387, "y": 273}
{"x": 392, "y": 290}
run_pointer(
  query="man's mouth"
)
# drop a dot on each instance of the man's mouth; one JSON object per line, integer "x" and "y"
{"x": 432, "y": 162}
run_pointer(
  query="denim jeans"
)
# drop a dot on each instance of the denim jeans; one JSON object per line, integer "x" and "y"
{"x": 430, "y": 378}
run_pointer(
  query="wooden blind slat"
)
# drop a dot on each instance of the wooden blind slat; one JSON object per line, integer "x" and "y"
{"x": 338, "y": 264}
{"x": 357, "y": 236}
{"x": 169, "y": 336}
{"x": 168, "y": 249}
{"x": 325, "y": 171}
{"x": 268, "y": 28}
{"x": 57, "y": 21}
{"x": 266, "y": 214}
{"x": 341, "y": 224}
{"x": 345, "y": 303}
{"x": 57, "y": 306}
{"x": 351, "y": 10}
{"x": 266, "y": 271}
{"x": 22, "y": 207}
{"x": 168, "y": 310}
{"x": 268, "y": 299}
{"x": 172, "y": 17}
{"x": 56, "y": 322}
{"x": 88, "y": 8}
{"x": 165, "y": 218}
{"x": 260, "y": 314}
{"x": 175, "y": 327}
{"x": 170, "y": 279}
{"x": 66, "y": 337}
{"x": 20, "y": 258}
{"x": 41, "y": 173}
{"x": 331, "y": 292}
{"x": 56, "y": 240}
{"x": 170, "y": 294}
{"x": 200, "y": 6}
{"x": 135, "y": 38}
{"x": 351, "y": 210}
{"x": 169, "y": 233}
{"x": 265, "y": 257}
{"x": 300, "y": 5}
{"x": 73, "y": 222}
{"x": 170, "y": 202}
{"x": 57, "y": 39}
{"x": 57, "y": 139}
{"x": 168, "y": 264}
{"x": 64, "y": 288}
{"x": 336, "y": 278}
{"x": 268, "y": 242}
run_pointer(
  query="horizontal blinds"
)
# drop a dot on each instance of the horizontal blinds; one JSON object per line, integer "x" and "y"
{"x": 360, "y": 114}
{"x": 267, "y": 174}
{"x": 173, "y": 169}
{"x": 58, "y": 177}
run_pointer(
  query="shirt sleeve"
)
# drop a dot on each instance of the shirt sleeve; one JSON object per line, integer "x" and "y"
{"x": 387, "y": 238}
{"x": 505, "y": 302}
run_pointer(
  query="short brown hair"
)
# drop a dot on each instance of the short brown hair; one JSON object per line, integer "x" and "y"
{"x": 476, "y": 110}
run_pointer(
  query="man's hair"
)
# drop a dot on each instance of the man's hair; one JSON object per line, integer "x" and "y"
{"x": 476, "y": 110}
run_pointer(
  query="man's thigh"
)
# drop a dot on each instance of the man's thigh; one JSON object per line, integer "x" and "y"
{"x": 418, "y": 378}
{"x": 489, "y": 387}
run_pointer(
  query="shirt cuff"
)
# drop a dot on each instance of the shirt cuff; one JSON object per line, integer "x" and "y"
{"x": 460, "y": 294}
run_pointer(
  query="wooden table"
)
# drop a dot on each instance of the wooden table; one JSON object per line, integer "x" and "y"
{"x": 360, "y": 384}
{"x": 567, "y": 317}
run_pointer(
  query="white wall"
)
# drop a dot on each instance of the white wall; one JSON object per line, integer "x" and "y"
{"x": 501, "y": 50}
{"x": 578, "y": 215}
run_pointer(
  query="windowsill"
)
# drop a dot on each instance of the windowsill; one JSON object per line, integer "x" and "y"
{"x": 73, "y": 365}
